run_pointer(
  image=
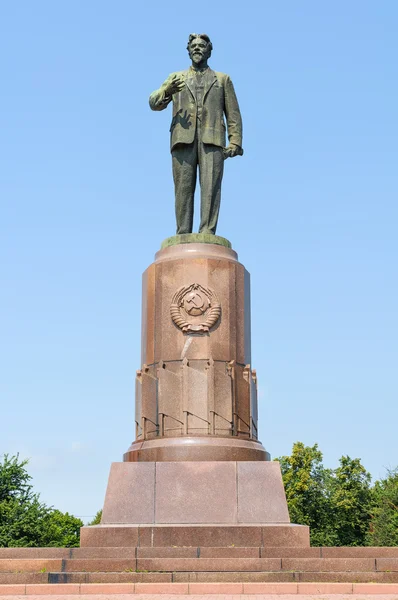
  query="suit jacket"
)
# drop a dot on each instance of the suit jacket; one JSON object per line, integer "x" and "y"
{"x": 219, "y": 99}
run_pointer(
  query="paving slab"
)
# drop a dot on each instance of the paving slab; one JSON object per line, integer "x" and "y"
{"x": 209, "y": 564}
{"x": 103, "y": 552}
{"x": 387, "y": 564}
{"x": 360, "y": 552}
{"x": 269, "y": 552}
{"x": 216, "y": 596}
{"x": 230, "y": 576}
{"x": 229, "y": 552}
{"x": 35, "y": 552}
{"x": 165, "y": 552}
{"x": 91, "y": 565}
{"x": 13, "y": 565}
{"x": 328, "y": 564}
{"x": 350, "y": 577}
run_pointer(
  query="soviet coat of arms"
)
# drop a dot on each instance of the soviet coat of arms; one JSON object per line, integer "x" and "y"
{"x": 195, "y": 309}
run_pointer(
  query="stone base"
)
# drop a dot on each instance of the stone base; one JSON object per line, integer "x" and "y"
{"x": 219, "y": 536}
{"x": 196, "y": 238}
{"x": 203, "y": 448}
{"x": 225, "y": 503}
{"x": 195, "y": 492}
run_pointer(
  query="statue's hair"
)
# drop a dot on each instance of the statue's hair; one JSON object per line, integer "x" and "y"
{"x": 204, "y": 37}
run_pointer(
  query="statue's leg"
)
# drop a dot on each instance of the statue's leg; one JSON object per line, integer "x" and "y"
{"x": 211, "y": 168}
{"x": 185, "y": 159}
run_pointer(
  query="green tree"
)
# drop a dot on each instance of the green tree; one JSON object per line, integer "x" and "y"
{"x": 61, "y": 530}
{"x": 24, "y": 520}
{"x": 14, "y": 480}
{"x": 97, "y": 518}
{"x": 307, "y": 487}
{"x": 383, "y": 529}
{"x": 336, "y": 504}
{"x": 21, "y": 512}
{"x": 350, "y": 498}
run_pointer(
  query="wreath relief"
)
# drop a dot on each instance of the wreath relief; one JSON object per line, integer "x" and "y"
{"x": 195, "y": 309}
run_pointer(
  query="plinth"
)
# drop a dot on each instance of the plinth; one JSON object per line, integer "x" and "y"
{"x": 196, "y": 467}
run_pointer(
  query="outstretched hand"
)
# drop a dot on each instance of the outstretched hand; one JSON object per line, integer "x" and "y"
{"x": 232, "y": 150}
{"x": 175, "y": 85}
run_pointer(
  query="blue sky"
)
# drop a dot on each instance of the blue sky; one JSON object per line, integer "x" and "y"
{"x": 87, "y": 197}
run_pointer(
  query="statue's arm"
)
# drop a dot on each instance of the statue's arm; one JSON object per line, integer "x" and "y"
{"x": 161, "y": 98}
{"x": 232, "y": 113}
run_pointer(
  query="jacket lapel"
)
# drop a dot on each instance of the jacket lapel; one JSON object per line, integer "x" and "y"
{"x": 210, "y": 79}
{"x": 189, "y": 82}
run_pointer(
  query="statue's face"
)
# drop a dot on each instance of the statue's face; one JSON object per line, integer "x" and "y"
{"x": 198, "y": 51}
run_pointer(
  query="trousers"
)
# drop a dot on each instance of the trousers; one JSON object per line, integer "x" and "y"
{"x": 186, "y": 159}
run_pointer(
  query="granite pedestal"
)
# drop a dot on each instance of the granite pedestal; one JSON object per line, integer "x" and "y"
{"x": 196, "y": 461}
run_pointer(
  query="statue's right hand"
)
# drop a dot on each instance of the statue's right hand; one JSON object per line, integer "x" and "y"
{"x": 175, "y": 85}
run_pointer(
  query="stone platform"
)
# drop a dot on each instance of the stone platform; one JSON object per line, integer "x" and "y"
{"x": 251, "y": 569}
{"x": 239, "y": 503}
{"x": 190, "y": 535}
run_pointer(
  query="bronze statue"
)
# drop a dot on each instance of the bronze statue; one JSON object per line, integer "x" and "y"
{"x": 201, "y": 97}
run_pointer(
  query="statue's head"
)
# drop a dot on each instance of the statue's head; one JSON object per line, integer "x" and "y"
{"x": 199, "y": 47}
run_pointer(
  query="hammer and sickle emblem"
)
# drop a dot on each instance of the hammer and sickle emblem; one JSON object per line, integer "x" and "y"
{"x": 196, "y": 299}
{"x": 191, "y": 303}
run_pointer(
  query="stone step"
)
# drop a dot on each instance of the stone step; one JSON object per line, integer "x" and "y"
{"x": 58, "y": 578}
{"x": 224, "y": 590}
{"x": 30, "y": 565}
{"x": 331, "y": 552}
{"x": 282, "y": 576}
{"x": 359, "y": 552}
{"x": 198, "y": 552}
{"x": 267, "y": 564}
{"x": 174, "y": 564}
{"x": 34, "y": 553}
{"x": 256, "y": 564}
{"x": 61, "y": 577}
{"x": 239, "y": 535}
{"x": 182, "y": 577}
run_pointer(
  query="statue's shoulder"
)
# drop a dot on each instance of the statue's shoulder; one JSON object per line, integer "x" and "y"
{"x": 222, "y": 77}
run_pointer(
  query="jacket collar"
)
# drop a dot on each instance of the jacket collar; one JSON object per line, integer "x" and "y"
{"x": 209, "y": 79}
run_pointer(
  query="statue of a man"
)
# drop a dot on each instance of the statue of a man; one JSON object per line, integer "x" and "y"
{"x": 201, "y": 97}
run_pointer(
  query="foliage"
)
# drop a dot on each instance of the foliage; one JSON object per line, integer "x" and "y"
{"x": 97, "y": 518}
{"x": 21, "y": 512}
{"x": 14, "y": 480}
{"x": 306, "y": 485}
{"x": 61, "y": 530}
{"x": 350, "y": 498}
{"x": 25, "y": 521}
{"x": 334, "y": 503}
{"x": 384, "y": 522}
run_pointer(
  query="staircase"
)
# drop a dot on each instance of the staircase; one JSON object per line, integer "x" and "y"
{"x": 197, "y": 569}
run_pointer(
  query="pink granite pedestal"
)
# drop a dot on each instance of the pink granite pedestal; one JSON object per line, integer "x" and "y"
{"x": 196, "y": 392}
{"x": 195, "y": 492}
{"x": 219, "y": 502}
{"x": 240, "y": 502}
{"x": 196, "y": 468}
